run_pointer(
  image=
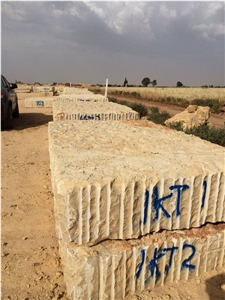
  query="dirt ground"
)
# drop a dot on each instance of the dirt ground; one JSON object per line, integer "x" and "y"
{"x": 31, "y": 267}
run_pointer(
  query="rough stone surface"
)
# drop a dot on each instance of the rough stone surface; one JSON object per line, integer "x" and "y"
{"x": 23, "y": 88}
{"x": 82, "y": 97}
{"x": 39, "y": 101}
{"x": 116, "y": 181}
{"x": 192, "y": 117}
{"x": 114, "y": 269}
{"x": 75, "y": 91}
{"x": 40, "y": 89}
{"x": 91, "y": 110}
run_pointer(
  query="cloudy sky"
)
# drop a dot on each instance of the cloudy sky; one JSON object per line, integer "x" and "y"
{"x": 87, "y": 41}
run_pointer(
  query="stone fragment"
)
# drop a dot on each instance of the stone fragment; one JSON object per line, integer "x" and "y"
{"x": 191, "y": 117}
{"x": 115, "y": 181}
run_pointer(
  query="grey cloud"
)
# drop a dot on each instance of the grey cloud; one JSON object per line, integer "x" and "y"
{"x": 190, "y": 32}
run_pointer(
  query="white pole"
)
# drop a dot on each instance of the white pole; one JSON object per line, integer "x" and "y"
{"x": 106, "y": 87}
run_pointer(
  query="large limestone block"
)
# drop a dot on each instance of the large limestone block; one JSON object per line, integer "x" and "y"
{"x": 192, "y": 116}
{"x": 116, "y": 181}
{"x": 75, "y": 91}
{"x": 116, "y": 269}
{"x": 39, "y": 102}
{"x": 76, "y": 110}
{"x": 23, "y": 88}
{"x": 42, "y": 89}
{"x": 82, "y": 97}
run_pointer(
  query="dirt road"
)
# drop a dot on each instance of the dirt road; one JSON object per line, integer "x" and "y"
{"x": 217, "y": 120}
{"x": 31, "y": 266}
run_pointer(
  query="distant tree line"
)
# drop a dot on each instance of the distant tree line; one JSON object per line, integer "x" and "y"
{"x": 146, "y": 81}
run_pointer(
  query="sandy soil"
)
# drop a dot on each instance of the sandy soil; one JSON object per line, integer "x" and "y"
{"x": 31, "y": 266}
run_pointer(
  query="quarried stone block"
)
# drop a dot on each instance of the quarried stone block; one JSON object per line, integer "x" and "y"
{"x": 116, "y": 269}
{"x": 116, "y": 181}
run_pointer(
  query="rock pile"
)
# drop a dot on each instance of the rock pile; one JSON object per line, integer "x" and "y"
{"x": 192, "y": 116}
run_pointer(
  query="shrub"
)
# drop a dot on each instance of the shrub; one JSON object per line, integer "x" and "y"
{"x": 158, "y": 117}
{"x": 211, "y": 134}
{"x": 176, "y": 126}
{"x": 138, "y": 107}
{"x": 215, "y": 105}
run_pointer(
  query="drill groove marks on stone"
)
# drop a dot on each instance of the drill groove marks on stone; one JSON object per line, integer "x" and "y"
{"x": 99, "y": 111}
{"x": 115, "y": 181}
{"x": 114, "y": 269}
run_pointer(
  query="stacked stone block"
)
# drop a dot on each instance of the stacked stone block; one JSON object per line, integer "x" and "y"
{"x": 115, "y": 186}
{"x": 90, "y": 110}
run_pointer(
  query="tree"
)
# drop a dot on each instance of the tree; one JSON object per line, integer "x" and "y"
{"x": 145, "y": 82}
{"x": 125, "y": 82}
{"x": 179, "y": 84}
{"x": 154, "y": 82}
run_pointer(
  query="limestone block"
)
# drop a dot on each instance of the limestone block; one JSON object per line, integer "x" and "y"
{"x": 89, "y": 97}
{"x": 42, "y": 89}
{"x": 193, "y": 116}
{"x": 76, "y": 91}
{"x": 77, "y": 110}
{"x": 23, "y": 88}
{"x": 116, "y": 269}
{"x": 112, "y": 180}
{"x": 39, "y": 101}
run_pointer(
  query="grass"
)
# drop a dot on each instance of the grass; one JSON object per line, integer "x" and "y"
{"x": 211, "y": 134}
{"x": 213, "y": 97}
